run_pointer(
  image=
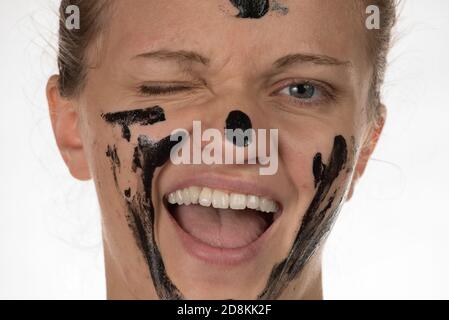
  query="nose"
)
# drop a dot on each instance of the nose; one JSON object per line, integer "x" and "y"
{"x": 237, "y": 123}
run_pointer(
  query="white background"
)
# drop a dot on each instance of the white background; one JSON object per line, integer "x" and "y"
{"x": 391, "y": 241}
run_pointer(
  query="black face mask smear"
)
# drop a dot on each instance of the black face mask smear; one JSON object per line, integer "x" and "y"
{"x": 111, "y": 153}
{"x": 143, "y": 117}
{"x": 148, "y": 156}
{"x": 251, "y": 9}
{"x": 316, "y": 223}
{"x": 237, "y": 123}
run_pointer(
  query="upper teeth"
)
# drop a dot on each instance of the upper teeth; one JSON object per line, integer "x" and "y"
{"x": 220, "y": 199}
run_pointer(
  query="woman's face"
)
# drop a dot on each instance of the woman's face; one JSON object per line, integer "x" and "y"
{"x": 297, "y": 66}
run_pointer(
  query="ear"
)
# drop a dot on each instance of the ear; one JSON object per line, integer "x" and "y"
{"x": 64, "y": 120}
{"x": 368, "y": 146}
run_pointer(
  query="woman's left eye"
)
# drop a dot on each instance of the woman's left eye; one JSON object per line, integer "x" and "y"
{"x": 304, "y": 91}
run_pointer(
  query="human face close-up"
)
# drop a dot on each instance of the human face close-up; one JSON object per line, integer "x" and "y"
{"x": 301, "y": 67}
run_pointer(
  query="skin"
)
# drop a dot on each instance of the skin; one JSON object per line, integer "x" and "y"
{"x": 236, "y": 68}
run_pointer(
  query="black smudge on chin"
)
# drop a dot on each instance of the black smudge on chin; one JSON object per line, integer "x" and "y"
{"x": 252, "y": 9}
{"x": 127, "y": 118}
{"x": 238, "y": 120}
{"x": 316, "y": 223}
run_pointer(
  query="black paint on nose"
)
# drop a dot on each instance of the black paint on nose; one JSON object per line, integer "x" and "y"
{"x": 238, "y": 120}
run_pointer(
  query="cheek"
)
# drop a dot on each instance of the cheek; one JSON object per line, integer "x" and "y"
{"x": 112, "y": 164}
{"x": 304, "y": 154}
{"x": 297, "y": 151}
{"x": 298, "y": 164}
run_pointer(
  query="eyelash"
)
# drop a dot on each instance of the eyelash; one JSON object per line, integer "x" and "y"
{"x": 161, "y": 90}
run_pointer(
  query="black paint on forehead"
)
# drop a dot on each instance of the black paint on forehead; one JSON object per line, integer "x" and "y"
{"x": 252, "y": 9}
{"x": 143, "y": 117}
{"x": 237, "y": 123}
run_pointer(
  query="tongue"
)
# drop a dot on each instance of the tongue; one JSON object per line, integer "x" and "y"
{"x": 222, "y": 228}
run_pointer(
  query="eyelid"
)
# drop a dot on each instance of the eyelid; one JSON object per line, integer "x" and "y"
{"x": 149, "y": 89}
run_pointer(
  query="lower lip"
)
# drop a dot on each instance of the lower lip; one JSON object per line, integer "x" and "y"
{"x": 221, "y": 256}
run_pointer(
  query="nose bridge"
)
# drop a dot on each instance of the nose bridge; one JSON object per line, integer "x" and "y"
{"x": 231, "y": 129}
{"x": 235, "y": 82}
{"x": 237, "y": 97}
{"x": 236, "y": 107}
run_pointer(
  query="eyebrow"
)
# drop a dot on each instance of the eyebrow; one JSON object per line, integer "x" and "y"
{"x": 180, "y": 56}
{"x": 296, "y": 58}
{"x": 185, "y": 56}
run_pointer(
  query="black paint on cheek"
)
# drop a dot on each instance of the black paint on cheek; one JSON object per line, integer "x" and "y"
{"x": 136, "y": 160}
{"x": 317, "y": 220}
{"x": 127, "y": 118}
{"x": 148, "y": 156}
{"x": 318, "y": 169}
{"x": 252, "y": 9}
{"x": 238, "y": 120}
{"x": 112, "y": 154}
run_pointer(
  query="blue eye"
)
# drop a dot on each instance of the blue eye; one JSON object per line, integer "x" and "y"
{"x": 300, "y": 91}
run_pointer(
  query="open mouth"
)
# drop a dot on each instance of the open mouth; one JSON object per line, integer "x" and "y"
{"x": 221, "y": 219}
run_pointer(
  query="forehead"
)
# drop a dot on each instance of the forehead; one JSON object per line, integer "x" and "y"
{"x": 328, "y": 27}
